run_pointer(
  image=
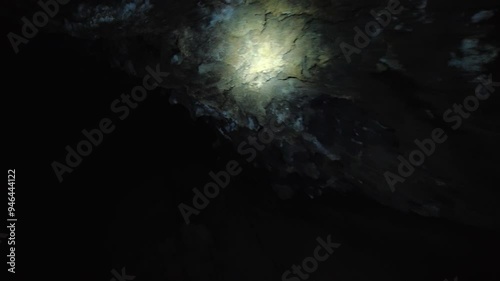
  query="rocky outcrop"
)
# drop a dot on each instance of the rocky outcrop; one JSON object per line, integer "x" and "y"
{"x": 355, "y": 83}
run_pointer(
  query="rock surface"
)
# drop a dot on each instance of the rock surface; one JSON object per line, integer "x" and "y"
{"x": 245, "y": 63}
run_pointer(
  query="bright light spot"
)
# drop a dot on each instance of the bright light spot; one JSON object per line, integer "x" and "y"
{"x": 262, "y": 63}
{"x": 262, "y": 51}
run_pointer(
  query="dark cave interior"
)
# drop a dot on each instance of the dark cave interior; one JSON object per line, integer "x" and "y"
{"x": 119, "y": 208}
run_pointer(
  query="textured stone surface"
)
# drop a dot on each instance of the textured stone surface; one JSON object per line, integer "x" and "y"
{"x": 244, "y": 63}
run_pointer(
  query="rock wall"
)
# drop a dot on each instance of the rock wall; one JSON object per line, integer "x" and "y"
{"x": 355, "y": 83}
